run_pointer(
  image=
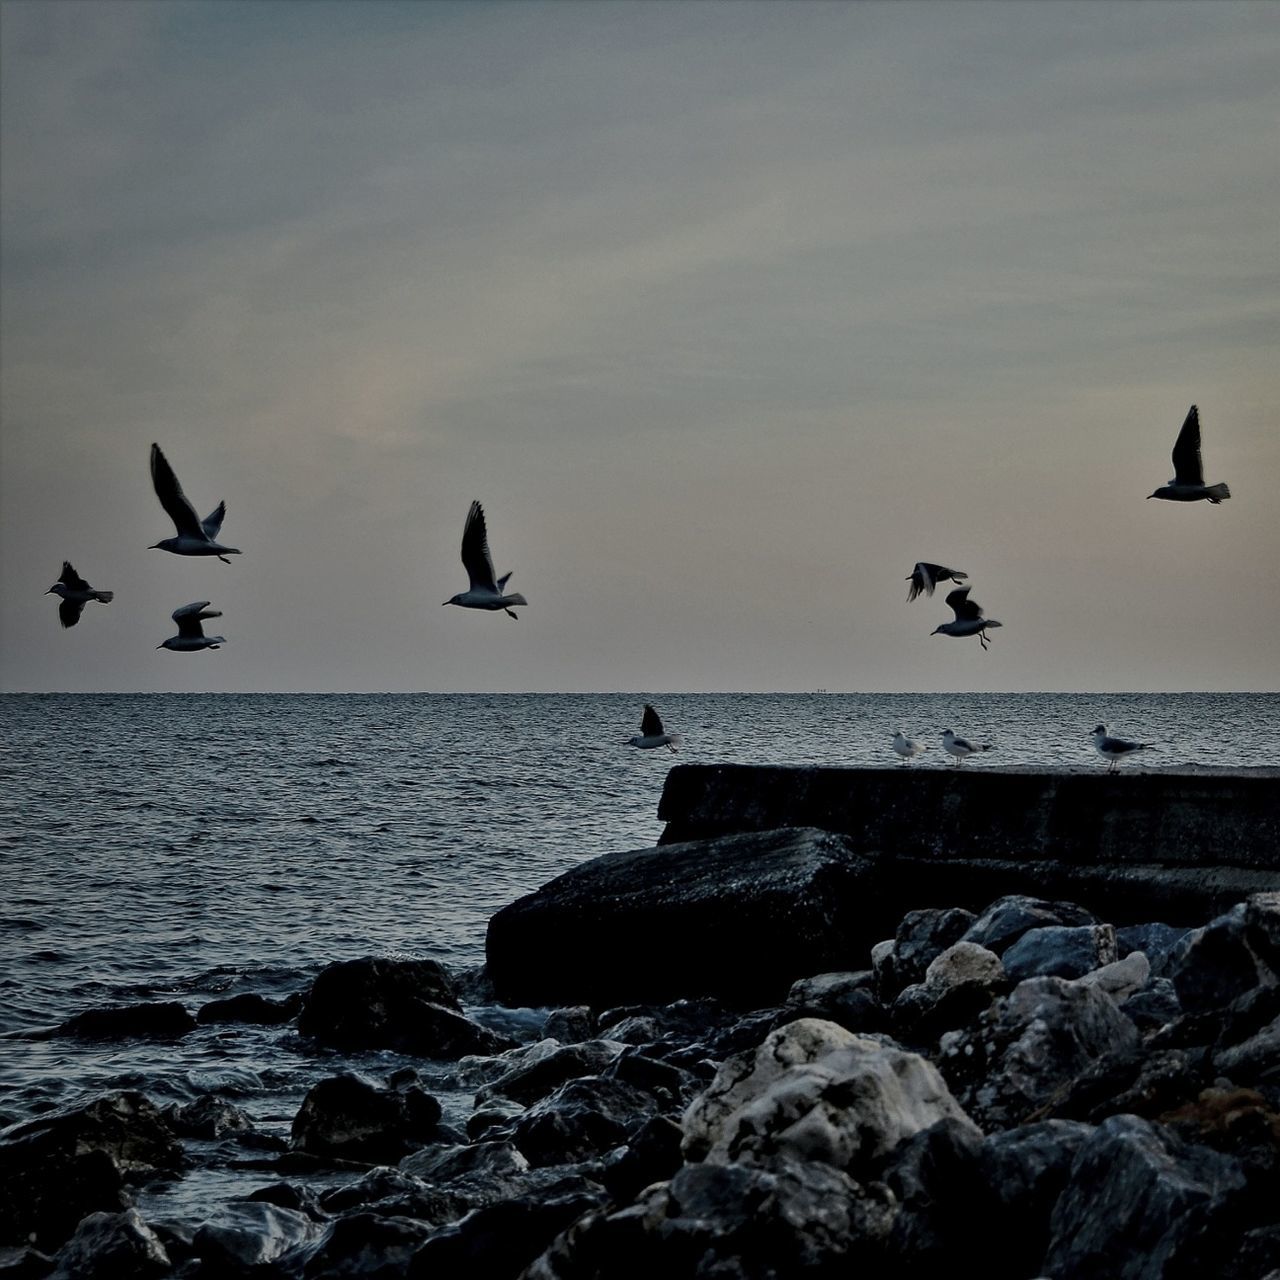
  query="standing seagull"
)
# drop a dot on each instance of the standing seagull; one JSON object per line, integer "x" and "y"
{"x": 1113, "y": 750}
{"x": 486, "y": 591}
{"x": 961, "y": 747}
{"x": 652, "y": 733}
{"x": 968, "y": 620}
{"x": 1188, "y": 483}
{"x": 195, "y": 537}
{"x": 906, "y": 747}
{"x": 190, "y": 633}
{"x": 75, "y": 593}
{"x": 925, "y": 576}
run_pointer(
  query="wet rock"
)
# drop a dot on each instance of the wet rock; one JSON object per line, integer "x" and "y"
{"x": 570, "y": 1025}
{"x": 498, "y": 1241}
{"x": 813, "y": 1091}
{"x": 24, "y": 1264}
{"x": 1214, "y": 965}
{"x": 350, "y": 1117}
{"x": 667, "y": 932}
{"x": 112, "y": 1246}
{"x": 1131, "y": 1081}
{"x": 531, "y": 1080}
{"x": 1029, "y": 1045}
{"x": 847, "y": 999}
{"x": 495, "y": 1120}
{"x": 56, "y": 1169}
{"x": 248, "y": 1234}
{"x": 1153, "y": 1007}
{"x": 407, "y": 1005}
{"x": 921, "y": 937}
{"x": 1060, "y": 951}
{"x": 362, "y": 1246}
{"x": 581, "y": 1120}
{"x": 208, "y": 1117}
{"x": 290, "y": 1195}
{"x": 164, "y": 1020}
{"x": 1136, "y": 1202}
{"x": 1156, "y": 941}
{"x": 1008, "y": 918}
{"x": 491, "y": 1161}
{"x": 671, "y": 1088}
{"x": 249, "y": 1008}
{"x": 653, "y": 1154}
{"x": 476, "y": 1071}
{"x": 730, "y": 1222}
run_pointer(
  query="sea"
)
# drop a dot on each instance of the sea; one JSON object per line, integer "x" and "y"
{"x": 190, "y": 847}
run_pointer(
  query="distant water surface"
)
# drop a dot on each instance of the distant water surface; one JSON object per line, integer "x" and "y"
{"x": 193, "y": 846}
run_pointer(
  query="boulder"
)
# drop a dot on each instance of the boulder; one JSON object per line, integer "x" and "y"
{"x": 250, "y": 1008}
{"x": 847, "y": 998}
{"x": 1154, "y": 1006}
{"x": 531, "y": 1080}
{"x": 1215, "y": 964}
{"x": 112, "y": 1246}
{"x": 740, "y": 918}
{"x": 1008, "y": 918}
{"x": 581, "y": 1120}
{"x": 1155, "y": 940}
{"x": 372, "y": 1246}
{"x": 1060, "y": 951}
{"x": 652, "y": 1154}
{"x": 208, "y": 1117}
{"x": 1120, "y": 979}
{"x": 1138, "y": 1201}
{"x": 570, "y": 1025}
{"x": 921, "y": 936}
{"x": 816, "y": 1092}
{"x": 958, "y": 985}
{"x": 350, "y": 1117}
{"x": 248, "y": 1234}
{"x": 162, "y": 1020}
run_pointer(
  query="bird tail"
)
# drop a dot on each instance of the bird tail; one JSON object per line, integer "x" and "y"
{"x": 105, "y": 596}
{"x": 516, "y": 599}
{"x": 1216, "y": 492}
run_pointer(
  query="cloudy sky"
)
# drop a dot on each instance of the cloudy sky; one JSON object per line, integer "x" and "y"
{"x": 727, "y": 312}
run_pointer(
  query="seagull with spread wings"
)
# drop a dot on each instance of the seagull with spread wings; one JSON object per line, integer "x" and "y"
{"x": 652, "y": 734}
{"x": 1188, "y": 483}
{"x": 486, "y": 591}
{"x": 191, "y": 634}
{"x": 75, "y": 593}
{"x": 925, "y": 576}
{"x": 968, "y": 620}
{"x": 195, "y": 537}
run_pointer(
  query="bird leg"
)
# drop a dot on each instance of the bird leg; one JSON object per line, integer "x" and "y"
{"x": 514, "y": 614}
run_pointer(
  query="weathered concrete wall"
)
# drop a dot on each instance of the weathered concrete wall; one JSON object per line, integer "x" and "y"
{"x": 1136, "y": 845}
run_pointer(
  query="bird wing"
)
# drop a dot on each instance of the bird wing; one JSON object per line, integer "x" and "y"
{"x": 921, "y": 580}
{"x": 191, "y": 615}
{"x": 172, "y": 499}
{"x": 965, "y": 609}
{"x": 1187, "y": 466}
{"x": 72, "y": 580}
{"x": 650, "y": 722}
{"x": 212, "y": 523}
{"x": 69, "y": 612}
{"x": 475, "y": 551}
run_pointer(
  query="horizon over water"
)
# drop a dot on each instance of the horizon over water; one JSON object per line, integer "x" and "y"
{"x": 190, "y": 846}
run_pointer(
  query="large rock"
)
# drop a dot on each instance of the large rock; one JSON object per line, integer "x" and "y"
{"x": 741, "y": 917}
{"x": 112, "y": 1246}
{"x": 814, "y": 1091}
{"x": 160, "y": 1020}
{"x": 582, "y": 1120}
{"x": 352, "y": 1118}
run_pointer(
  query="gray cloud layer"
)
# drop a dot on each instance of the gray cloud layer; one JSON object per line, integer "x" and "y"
{"x": 727, "y": 312}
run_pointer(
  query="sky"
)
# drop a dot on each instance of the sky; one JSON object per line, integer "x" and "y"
{"x": 728, "y": 313}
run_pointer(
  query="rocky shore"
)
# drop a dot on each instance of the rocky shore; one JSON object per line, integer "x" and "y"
{"x": 742, "y": 1069}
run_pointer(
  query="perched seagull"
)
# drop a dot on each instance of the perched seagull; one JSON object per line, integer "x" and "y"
{"x": 961, "y": 747}
{"x": 75, "y": 593}
{"x": 1188, "y": 483}
{"x": 907, "y": 748}
{"x": 925, "y": 576}
{"x": 486, "y": 591}
{"x": 190, "y": 633}
{"x": 1113, "y": 750}
{"x": 195, "y": 537}
{"x": 968, "y": 620}
{"x": 652, "y": 734}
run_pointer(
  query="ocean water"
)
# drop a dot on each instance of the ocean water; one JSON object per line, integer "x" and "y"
{"x": 189, "y": 847}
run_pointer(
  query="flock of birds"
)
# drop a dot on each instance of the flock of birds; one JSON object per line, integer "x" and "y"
{"x": 196, "y": 537}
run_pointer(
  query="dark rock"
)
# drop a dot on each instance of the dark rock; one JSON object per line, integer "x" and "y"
{"x": 495, "y": 1120}
{"x": 24, "y": 1264}
{"x": 1262, "y": 929}
{"x": 1155, "y": 1006}
{"x": 1030, "y": 1045}
{"x": 165, "y": 1020}
{"x": 730, "y": 1222}
{"x": 1156, "y": 941}
{"x": 669, "y": 1086}
{"x": 1008, "y": 918}
{"x": 571, "y": 1025}
{"x": 1137, "y": 1200}
{"x": 848, "y": 999}
{"x": 360, "y": 1246}
{"x": 248, "y": 1234}
{"x": 490, "y": 1161}
{"x": 1214, "y": 965}
{"x": 1060, "y": 951}
{"x": 208, "y": 1117}
{"x": 349, "y": 1117}
{"x": 529, "y": 1081}
{"x": 397, "y": 1004}
{"x": 1238, "y": 1122}
{"x": 1247, "y": 1046}
{"x": 113, "y": 1246}
{"x": 250, "y": 1008}
{"x": 685, "y": 920}
{"x": 1131, "y": 1082}
{"x": 651, "y": 1155}
{"x": 290, "y": 1195}
{"x": 68, "y": 1163}
{"x": 581, "y": 1120}
{"x": 498, "y": 1241}
{"x": 958, "y": 985}
{"x": 921, "y": 937}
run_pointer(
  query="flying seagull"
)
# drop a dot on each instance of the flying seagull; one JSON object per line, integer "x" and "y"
{"x": 961, "y": 747}
{"x": 1113, "y": 750}
{"x": 195, "y": 537}
{"x": 907, "y": 748}
{"x": 75, "y": 593}
{"x": 191, "y": 634}
{"x": 1188, "y": 483}
{"x": 652, "y": 734}
{"x": 486, "y": 591}
{"x": 925, "y": 576}
{"x": 968, "y": 620}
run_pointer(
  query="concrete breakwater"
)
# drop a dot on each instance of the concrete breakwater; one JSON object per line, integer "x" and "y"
{"x": 1179, "y": 844}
